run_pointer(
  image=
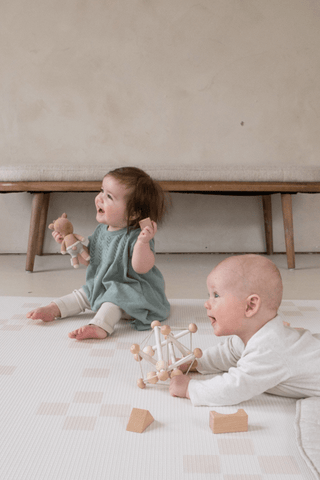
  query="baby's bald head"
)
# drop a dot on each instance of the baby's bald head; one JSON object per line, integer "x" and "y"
{"x": 253, "y": 274}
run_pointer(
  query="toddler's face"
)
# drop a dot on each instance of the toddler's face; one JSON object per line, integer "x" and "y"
{"x": 226, "y": 305}
{"x": 111, "y": 204}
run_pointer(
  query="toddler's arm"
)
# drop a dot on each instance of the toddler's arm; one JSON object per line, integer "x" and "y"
{"x": 143, "y": 257}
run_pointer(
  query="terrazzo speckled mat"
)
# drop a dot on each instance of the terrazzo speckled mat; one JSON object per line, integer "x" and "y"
{"x": 65, "y": 405}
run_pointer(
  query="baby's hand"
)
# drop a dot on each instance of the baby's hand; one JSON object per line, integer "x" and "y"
{"x": 58, "y": 238}
{"x": 179, "y": 386}
{"x": 148, "y": 233}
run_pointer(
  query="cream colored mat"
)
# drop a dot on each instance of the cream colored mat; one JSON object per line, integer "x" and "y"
{"x": 65, "y": 406}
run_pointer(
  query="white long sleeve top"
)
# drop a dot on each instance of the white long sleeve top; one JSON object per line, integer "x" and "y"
{"x": 277, "y": 359}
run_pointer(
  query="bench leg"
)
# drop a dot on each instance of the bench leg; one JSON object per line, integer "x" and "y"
{"x": 286, "y": 201}
{"x": 43, "y": 223}
{"x": 267, "y": 215}
{"x": 36, "y": 213}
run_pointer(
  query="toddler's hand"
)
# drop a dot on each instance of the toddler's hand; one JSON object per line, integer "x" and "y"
{"x": 179, "y": 386}
{"x": 148, "y": 233}
{"x": 58, "y": 238}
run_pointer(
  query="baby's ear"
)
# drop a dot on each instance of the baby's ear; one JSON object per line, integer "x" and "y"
{"x": 253, "y": 305}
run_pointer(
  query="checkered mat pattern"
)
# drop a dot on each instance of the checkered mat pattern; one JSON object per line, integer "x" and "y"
{"x": 65, "y": 405}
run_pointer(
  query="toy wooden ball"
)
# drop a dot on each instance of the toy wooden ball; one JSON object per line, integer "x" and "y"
{"x": 149, "y": 351}
{"x": 155, "y": 323}
{"x": 137, "y": 357}
{"x": 152, "y": 377}
{"x": 161, "y": 365}
{"x": 193, "y": 328}
{"x": 134, "y": 348}
{"x": 176, "y": 372}
{"x": 165, "y": 330}
{"x": 163, "y": 376}
{"x": 141, "y": 383}
{"x": 197, "y": 352}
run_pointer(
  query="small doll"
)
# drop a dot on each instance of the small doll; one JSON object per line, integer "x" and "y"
{"x": 71, "y": 242}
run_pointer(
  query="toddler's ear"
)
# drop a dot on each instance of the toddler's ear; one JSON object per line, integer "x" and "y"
{"x": 253, "y": 305}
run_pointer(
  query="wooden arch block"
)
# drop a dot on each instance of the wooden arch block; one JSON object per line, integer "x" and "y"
{"x": 139, "y": 420}
{"x": 224, "y": 423}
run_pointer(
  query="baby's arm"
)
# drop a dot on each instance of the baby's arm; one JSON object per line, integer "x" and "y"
{"x": 256, "y": 372}
{"x": 179, "y": 386}
{"x": 143, "y": 257}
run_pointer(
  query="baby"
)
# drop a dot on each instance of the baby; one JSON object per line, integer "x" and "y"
{"x": 122, "y": 280}
{"x": 260, "y": 353}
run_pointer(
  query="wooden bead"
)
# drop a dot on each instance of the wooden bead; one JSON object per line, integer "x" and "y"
{"x": 137, "y": 357}
{"x": 193, "y": 328}
{"x": 155, "y": 323}
{"x": 163, "y": 376}
{"x": 165, "y": 330}
{"x": 148, "y": 350}
{"x": 176, "y": 372}
{"x": 141, "y": 383}
{"x": 152, "y": 377}
{"x": 135, "y": 348}
{"x": 161, "y": 365}
{"x": 197, "y": 352}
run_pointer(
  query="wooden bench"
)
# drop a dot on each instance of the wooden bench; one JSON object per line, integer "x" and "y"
{"x": 41, "y": 194}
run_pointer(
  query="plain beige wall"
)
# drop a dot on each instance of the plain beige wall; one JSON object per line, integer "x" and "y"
{"x": 163, "y": 82}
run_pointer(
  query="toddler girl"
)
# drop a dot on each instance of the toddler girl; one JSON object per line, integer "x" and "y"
{"x": 122, "y": 280}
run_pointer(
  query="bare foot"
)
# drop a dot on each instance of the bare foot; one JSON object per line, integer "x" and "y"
{"x": 46, "y": 314}
{"x": 88, "y": 331}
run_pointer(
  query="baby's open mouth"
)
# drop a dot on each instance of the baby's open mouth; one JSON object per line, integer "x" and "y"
{"x": 212, "y": 320}
{"x": 100, "y": 210}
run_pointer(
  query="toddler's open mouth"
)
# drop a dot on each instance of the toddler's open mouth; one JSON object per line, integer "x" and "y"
{"x": 212, "y": 320}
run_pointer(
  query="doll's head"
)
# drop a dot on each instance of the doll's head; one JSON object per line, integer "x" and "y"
{"x": 144, "y": 197}
{"x": 62, "y": 225}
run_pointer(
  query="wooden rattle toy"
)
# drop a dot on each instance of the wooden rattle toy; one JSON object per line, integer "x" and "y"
{"x": 166, "y": 365}
{"x": 72, "y": 243}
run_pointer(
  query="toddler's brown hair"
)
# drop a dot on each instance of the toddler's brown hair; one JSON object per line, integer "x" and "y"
{"x": 145, "y": 199}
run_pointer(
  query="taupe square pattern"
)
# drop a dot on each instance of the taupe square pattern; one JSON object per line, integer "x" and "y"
{"x": 47, "y": 408}
{"x": 88, "y": 397}
{"x": 285, "y": 465}
{"x": 100, "y": 352}
{"x": 236, "y": 446}
{"x": 201, "y": 464}
{"x": 96, "y": 372}
{"x": 115, "y": 410}
{"x": 293, "y": 313}
{"x": 242, "y": 477}
{"x": 79, "y": 423}
{"x": 7, "y": 369}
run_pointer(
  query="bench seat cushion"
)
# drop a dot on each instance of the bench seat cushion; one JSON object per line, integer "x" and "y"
{"x": 38, "y": 173}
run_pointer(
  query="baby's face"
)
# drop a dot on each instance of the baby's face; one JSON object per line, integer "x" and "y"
{"x": 111, "y": 204}
{"x": 227, "y": 303}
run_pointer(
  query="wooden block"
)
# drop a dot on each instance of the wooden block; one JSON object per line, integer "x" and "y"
{"x": 146, "y": 222}
{"x": 224, "y": 423}
{"x": 139, "y": 420}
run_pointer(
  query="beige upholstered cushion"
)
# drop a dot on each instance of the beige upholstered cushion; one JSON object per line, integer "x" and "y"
{"x": 40, "y": 173}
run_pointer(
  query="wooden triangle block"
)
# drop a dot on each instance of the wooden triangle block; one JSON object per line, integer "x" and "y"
{"x": 139, "y": 420}
{"x": 224, "y": 423}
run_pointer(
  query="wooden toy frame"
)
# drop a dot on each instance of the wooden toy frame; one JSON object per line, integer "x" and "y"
{"x": 163, "y": 368}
